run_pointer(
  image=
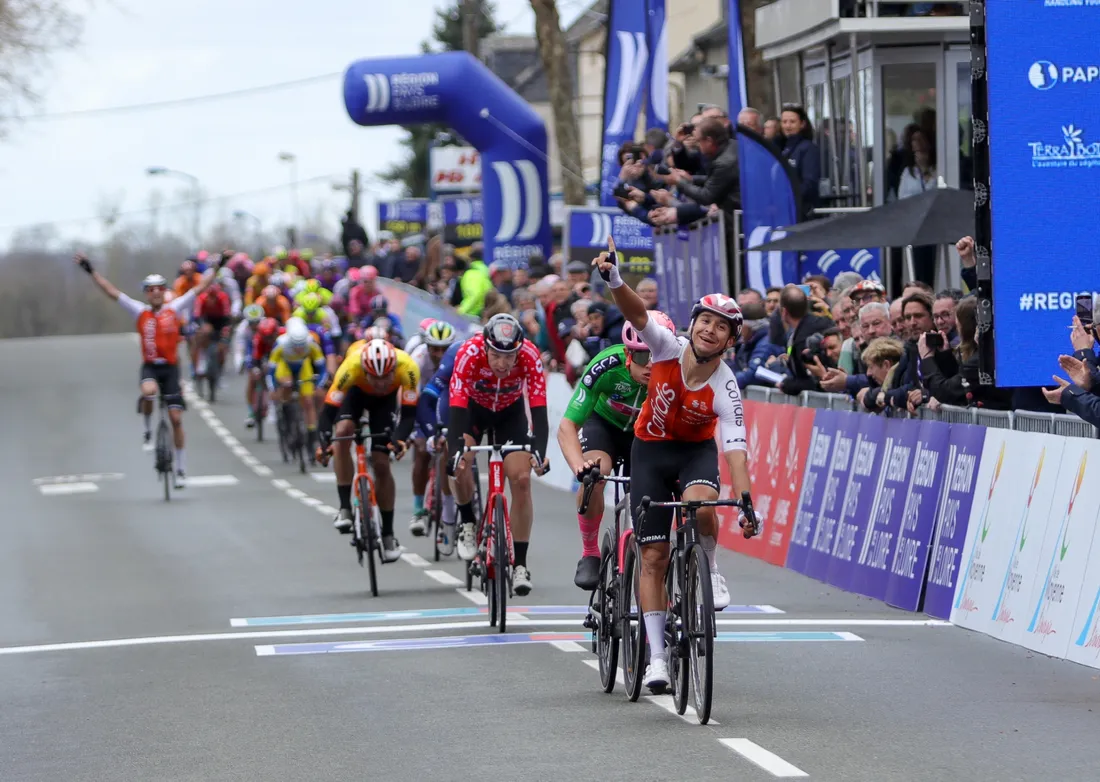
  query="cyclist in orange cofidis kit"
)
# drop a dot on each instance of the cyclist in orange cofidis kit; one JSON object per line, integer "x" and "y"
{"x": 691, "y": 393}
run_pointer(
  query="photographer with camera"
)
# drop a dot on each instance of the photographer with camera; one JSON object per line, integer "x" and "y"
{"x": 632, "y": 190}
{"x": 723, "y": 180}
{"x": 951, "y": 375}
{"x": 794, "y": 306}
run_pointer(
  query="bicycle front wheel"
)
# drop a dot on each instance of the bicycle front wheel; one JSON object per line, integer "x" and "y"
{"x": 607, "y": 650}
{"x": 698, "y": 618}
{"x": 366, "y": 527}
{"x": 675, "y": 634}
{"x": 163, "y": 454}
{"x": 502, "y": 566}
{"x": 633, "y": 632}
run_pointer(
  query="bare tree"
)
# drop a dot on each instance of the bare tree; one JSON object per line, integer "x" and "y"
{"x": 29, "y": 31}
{"x": 555, "y": 62}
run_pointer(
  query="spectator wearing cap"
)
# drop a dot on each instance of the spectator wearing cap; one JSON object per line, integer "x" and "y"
{"x": 753, "y": 349}
{"x": 577, "y": 272}
{"x": 647, "y": 292}
{"x": 604, "y": 327}
{"x": 501, "y": 276}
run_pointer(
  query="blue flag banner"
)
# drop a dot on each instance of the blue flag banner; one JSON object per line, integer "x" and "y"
{"x": 656, "y": 110}
{"x": 626, "y": 59}
{"x": 738, "y": 81}
{"x": 457, "y": 89}
{"x": 770, "y": 199}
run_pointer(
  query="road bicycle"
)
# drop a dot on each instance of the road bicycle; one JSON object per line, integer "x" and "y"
{"x": 690, "y": 628}
{"x": 434, "y": 494}
{"x": 290, "y": 422}
{"x": 366, "y": 525}
{"x": 495, "y": 556}
{"x": 164, "y": 451}
{"x": 213, "y": 368}
{"x": 260, "y": 412}
{"x": 610, "y": 615}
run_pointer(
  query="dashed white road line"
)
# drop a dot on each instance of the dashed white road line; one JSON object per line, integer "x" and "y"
{"x": 565, "y": 646}
{"x": 285, "y": 486}
{"x": 767, "y": 760}
{"x": 76, "y": 487}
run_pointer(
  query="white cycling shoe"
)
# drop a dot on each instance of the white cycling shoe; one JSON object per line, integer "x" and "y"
{"x": 467, "y": 541}
{"x": 181, "y": 481}
{"x": 719, "y": 590}
{"x": 446, "y": 539}
{"x": 391, "y": 549}
{"x": 656, "y": 675}
{"x": 521, "y": 581}
{"x": 418, "y": 525}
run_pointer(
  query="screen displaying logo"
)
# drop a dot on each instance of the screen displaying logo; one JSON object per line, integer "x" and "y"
{"x": 1045, "y": 171}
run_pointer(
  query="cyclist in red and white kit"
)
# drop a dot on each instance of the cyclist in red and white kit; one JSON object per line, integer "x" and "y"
{"x": 691, "y": 392}
{"x": 491, "y": 373}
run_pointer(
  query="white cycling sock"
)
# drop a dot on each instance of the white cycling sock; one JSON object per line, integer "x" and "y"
{"x": 449, "y": 509}
{"x": 148, "y": 422}
{"x": 180, "y": 462}
{"x": 709, "y": 544}
{"x": 655, "y": 634}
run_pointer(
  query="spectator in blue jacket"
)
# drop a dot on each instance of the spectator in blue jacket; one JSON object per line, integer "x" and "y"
{"x": 802, "y": 153}
{"x": 754, "y": 348}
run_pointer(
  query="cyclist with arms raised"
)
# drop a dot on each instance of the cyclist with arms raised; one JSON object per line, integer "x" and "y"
{"x": 492, "y": 371}
{"x": 598, "y": 429}
{"x": 691, "y": 392}
{"x": 158, "y": 327}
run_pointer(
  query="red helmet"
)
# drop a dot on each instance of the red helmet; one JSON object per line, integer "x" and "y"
{"x": 353, "y": 274}
{"x": 722, "y": 306}
{"x": 378, "y": 357}
{"x": 368, "y": 273}
{"x": 268, "y": 328}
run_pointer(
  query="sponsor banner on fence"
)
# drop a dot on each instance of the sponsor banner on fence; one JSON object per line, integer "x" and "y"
{"x": 875, "y": 559}
{"x": 587, "y": 228}
{"x": 832, "y": 436}
{"x": 857, "y": 498}
{"x": 405, "y": 217}
{"x": 1064, "y": 560}
{"x": 778, "y": 443}
{"x": 412, "y": 305}
{"x": 691, "y": 262}
{"x": 558, "y": 394}
{"x": 964, "y": 455}
{"x": 1018, "y": 476}
{"x": 462, "y": 222}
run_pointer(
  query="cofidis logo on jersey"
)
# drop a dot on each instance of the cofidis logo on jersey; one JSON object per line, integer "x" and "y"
{"x": 1045, "y": 75}
{"x": 1075, "y": 150}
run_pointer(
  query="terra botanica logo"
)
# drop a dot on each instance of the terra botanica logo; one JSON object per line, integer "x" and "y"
{"x": 1073, "y": 152}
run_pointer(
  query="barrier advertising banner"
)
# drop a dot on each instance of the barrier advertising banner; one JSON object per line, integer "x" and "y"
{"x": 917, "y": 522}
{"x": 824, "y": 477}
{"x": 875, "y": 560}
{"x": 587, "y": 228}
{"x": 857, "y": 498}
{"x": 1084, "y": 638}
{"x": 1065, "y": 554}
{"x": 1006, "y": 531}
{"x": 778, "y": 443}
{"x": 964, "y": 454}
{"x": 405, "y": 217}
{"x": 691, "y": 262}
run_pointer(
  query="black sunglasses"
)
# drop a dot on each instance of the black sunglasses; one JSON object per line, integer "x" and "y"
{"x": 640, "y": 357}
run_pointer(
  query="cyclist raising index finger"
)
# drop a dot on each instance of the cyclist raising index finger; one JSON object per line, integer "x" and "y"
{"x": 691, "y": 390}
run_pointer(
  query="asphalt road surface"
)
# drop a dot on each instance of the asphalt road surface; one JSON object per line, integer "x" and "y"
{"x": 137, "y": 639}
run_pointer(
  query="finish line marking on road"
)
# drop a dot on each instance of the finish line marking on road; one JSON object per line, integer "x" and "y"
{"x": 437, "y": 613}
{"x": 206, "y": 481}
{"x": 505, "y": 639}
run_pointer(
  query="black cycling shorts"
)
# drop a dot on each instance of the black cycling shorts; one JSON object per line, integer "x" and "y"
{"x": 509, "y": 424}
{"x": 599, "y": 434}
{"x": 381, "y": 413}
{"x": 218, "y": 322}
{"x": 658, "y": 466}
{"x": 168, "y": 381}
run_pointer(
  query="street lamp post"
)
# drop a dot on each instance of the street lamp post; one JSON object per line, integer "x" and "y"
{"x": 196, "y": 195}
{"x": 240, "y": 214}
{"x": 292, "y": 159}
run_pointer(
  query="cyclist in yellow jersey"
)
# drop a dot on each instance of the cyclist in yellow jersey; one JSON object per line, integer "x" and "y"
{"x": 298, "y": 357}
{"x": 374, "y": 379}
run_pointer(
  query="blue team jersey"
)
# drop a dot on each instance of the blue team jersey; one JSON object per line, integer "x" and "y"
{"x": 432, "y": 408}
{"x": 322, "y": 334}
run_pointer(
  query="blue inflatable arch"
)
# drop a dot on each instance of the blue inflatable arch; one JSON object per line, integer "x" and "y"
{"x": 457, "y": 89}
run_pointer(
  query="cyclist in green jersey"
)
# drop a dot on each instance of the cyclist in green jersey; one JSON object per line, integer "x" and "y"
{"x": 604, "y": 405}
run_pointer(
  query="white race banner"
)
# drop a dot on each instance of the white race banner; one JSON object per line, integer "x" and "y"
{"x": 1008, "y": 522}
{"x": 1057, "y": 590}
{"x": 455, "y": 169}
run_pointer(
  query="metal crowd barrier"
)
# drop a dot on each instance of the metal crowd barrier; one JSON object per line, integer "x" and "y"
{"x": 1020, "y": 420}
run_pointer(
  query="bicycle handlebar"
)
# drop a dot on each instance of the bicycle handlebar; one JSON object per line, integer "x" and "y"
{"x": 589, "y": 481}
{"x": 745, "y": 503}
{"x": 367, "y": 436}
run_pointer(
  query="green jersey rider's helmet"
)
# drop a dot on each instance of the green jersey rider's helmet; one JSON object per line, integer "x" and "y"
{"x": 310, "y": 304}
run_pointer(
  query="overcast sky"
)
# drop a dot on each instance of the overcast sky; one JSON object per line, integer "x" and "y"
{"x": 61, "y": 170}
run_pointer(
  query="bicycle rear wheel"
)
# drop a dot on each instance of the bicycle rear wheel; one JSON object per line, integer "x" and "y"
{"x": 260, "y": 413}
{"x": 435, "y": 513}
{"x": 163, "y": 453}
{"x": 607, "y": 650}
{"x": 212, "y": 368}
{"x": 698, "y": 613}
{"x": 633, "y": 632}
{"x": 366, "y": 529}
